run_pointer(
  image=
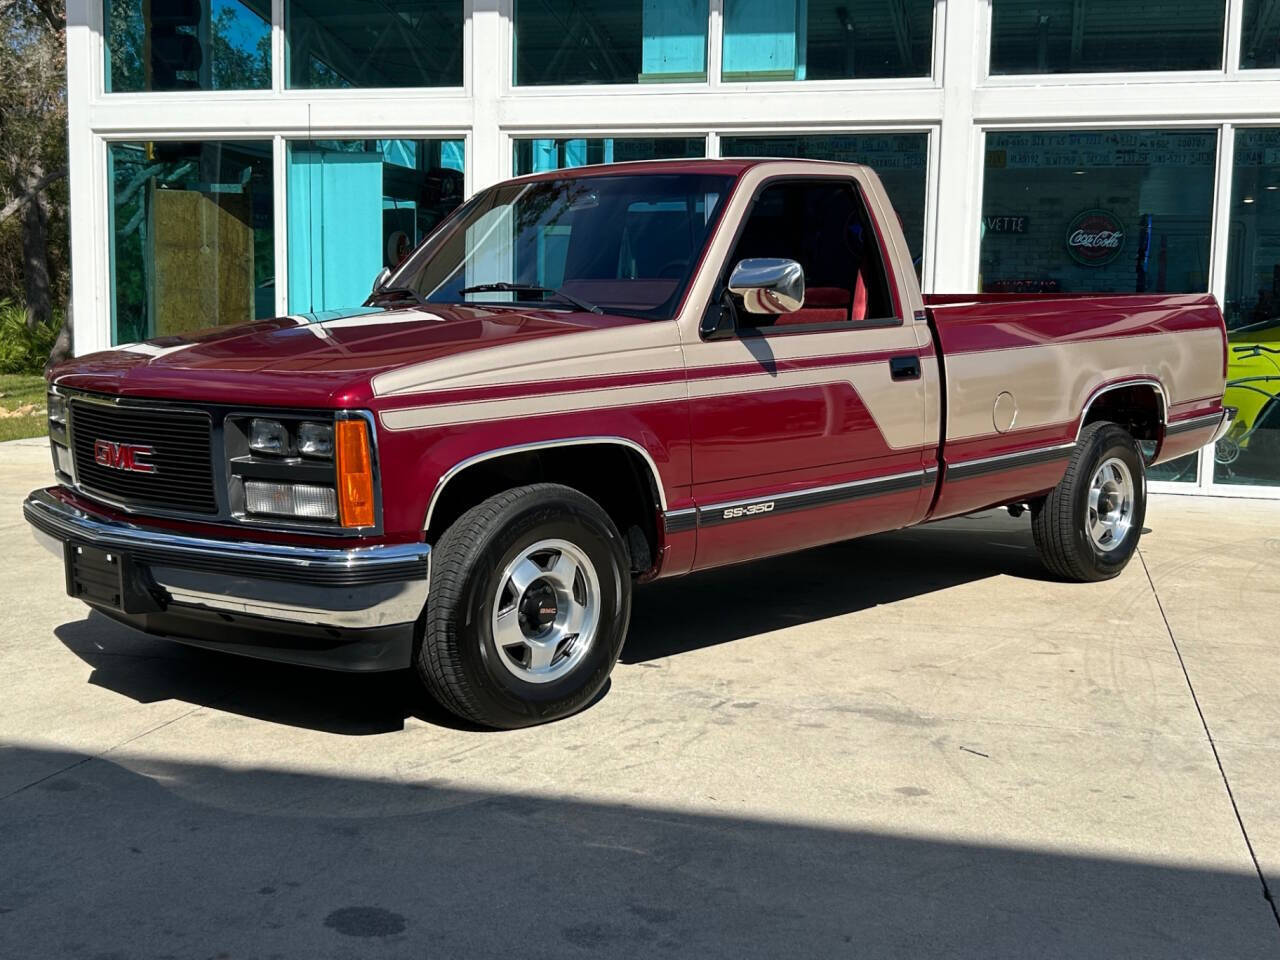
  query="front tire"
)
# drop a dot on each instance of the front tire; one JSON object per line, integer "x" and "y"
{"x": 528, "y": 608}
{"x": 1088, "y": 527}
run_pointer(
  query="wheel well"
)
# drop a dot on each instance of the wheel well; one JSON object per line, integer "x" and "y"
{"x": 614, "y": 476}
{"x": 1138, "y": 407}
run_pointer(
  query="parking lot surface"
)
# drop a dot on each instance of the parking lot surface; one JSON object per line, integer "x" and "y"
{"x": 915, "y": 745}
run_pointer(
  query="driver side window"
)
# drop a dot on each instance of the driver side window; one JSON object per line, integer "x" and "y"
{"x": 822, "y": 225}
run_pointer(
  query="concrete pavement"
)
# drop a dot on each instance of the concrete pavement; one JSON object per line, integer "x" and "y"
{"x": 910, "y": 746}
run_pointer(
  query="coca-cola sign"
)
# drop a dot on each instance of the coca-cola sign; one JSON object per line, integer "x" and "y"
{"x": 1095, "y": 238}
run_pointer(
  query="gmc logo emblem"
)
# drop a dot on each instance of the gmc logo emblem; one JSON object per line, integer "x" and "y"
{"x": 123, "y": 456}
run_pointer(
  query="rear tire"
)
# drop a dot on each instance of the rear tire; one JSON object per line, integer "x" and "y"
{"x": 528, "y": 608}
{"x": 1088, "y": 527}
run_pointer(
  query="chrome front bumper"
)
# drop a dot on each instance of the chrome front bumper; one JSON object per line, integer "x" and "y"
{"x": 359, "y": 588}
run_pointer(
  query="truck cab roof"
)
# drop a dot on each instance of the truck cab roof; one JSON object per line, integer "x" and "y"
{"x": 730, "y": 166}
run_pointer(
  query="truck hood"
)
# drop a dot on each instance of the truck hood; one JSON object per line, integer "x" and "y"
{"x": 312, "y": 360}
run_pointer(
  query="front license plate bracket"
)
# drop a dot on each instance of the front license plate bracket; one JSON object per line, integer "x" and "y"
{"x": 108, "y": 578}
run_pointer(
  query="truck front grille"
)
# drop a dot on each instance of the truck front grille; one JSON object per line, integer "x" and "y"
{"x": 182, "y": 476}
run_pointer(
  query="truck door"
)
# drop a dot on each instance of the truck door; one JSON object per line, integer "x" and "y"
{"x": 810, "y": 427}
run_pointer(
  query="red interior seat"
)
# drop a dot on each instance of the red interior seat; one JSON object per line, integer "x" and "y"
{"x": 829, "y": 305}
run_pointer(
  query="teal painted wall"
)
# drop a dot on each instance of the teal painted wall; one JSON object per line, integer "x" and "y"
{"x": 335, "y": 228}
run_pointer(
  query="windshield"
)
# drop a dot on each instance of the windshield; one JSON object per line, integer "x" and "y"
{"x": 626, "y": 244}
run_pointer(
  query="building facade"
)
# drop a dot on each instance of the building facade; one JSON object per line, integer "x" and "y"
{"x": 233, "y": 159}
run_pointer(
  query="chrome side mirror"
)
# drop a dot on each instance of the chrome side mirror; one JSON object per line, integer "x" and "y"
{"x": 767, "y": 285}
{"x": 383, "y": 276}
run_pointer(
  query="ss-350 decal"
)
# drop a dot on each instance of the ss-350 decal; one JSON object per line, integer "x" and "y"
{"x": 732, "y": 513}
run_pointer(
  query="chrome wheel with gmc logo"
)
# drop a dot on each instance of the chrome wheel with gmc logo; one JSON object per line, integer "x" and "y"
{"x": 528, "y": 608}
{"x": 546, "y": 611}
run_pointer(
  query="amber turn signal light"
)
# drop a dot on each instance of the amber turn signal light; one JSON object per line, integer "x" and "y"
{"x": 355, "y": 474}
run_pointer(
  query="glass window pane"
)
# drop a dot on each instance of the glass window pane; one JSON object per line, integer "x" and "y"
{"x": 537, "y": 154}
{"x": 1102, "y": 211}
{"x": 1250, "y": 453}
{"x": 356, "y": 206}
{"x": 187, "y": 45}
{"x": 192, "y": 244}
{"x": 900, "y": 159}
{"x": 627, "y": 244}
{"x": 1099, "y": 211}
{"x": 844, "y": 280}
{"x": 1260, "y": 42}
{"x": 1183, "y": 470}
{"x": 827, "y": 39}
{"x": 1086, "y": 36}
{"x": 610, "y": 41}
{"x": 363, "y": 43}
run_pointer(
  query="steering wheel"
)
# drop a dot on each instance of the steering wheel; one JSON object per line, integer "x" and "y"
{"x": 679, "y": 266}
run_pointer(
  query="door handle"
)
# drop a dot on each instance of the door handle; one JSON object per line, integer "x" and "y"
{"x": 904, "y": 368}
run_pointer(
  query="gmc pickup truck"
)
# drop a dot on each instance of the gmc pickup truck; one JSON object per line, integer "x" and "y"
{"x": 589, "y": 378}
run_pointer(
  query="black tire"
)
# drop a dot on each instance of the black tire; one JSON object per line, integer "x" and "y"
{"x": 457, "y": 658}
{"x": 1060, "y": 522}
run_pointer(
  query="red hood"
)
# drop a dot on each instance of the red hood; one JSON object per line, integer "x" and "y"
{"x": 312, "y": 361}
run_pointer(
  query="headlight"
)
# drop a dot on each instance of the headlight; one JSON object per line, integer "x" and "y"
{"x": 268, "y": 436}
{"x": 315, "y": 440}
{"x": 57, "y": 409}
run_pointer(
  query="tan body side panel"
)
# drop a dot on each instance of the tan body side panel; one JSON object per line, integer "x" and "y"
{"x": 1051, "y": 383}
{"x": 629, "y": 349}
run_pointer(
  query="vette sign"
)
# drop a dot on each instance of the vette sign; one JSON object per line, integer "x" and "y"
{"x": 1095, "y": 238}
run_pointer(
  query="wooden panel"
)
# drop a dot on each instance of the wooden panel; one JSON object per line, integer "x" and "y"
{"x": 201, "y": 257}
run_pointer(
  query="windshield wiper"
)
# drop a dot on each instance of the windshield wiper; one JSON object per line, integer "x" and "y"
{"x": 395, "y": 294}
{"x": 505, "y": 287}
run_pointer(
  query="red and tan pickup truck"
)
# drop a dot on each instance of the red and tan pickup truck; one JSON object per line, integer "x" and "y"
{"x": 589, "y": 378}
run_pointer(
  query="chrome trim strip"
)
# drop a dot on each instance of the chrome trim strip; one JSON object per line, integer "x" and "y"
{"x": 964, "y": 469}
{"x": 543, "y": 445}
{"x": 355, "y": 587}
{"x": 381, "y": 605}
{"x": 126, "y": 536}
{"x": 1139, "y": 382}
{"x": 131, "y": 403}
{"x": 1195, "y": 423}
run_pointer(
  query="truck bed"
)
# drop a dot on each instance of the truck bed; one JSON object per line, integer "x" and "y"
{"x": 1020, "y": 372}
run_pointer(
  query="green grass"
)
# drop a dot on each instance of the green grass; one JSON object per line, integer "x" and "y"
{"x": 18, "y": 391}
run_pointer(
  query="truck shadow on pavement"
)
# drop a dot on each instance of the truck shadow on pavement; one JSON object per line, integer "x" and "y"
{"x": 727, "y": 604}
{"x": 668, "y": 618}
{"x": 150, "y": 669}
{"x": 132, "y": 856}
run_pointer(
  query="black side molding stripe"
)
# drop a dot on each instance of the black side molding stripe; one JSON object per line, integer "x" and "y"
{"x": 967, "y": 469}
{"x": 1194, "y": 423}
{"x": 678, "y": 521}
{"x": 733, "y": 511}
